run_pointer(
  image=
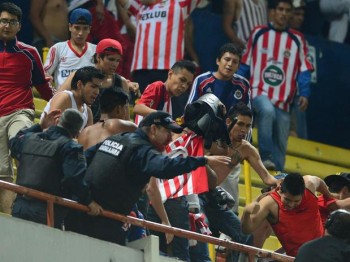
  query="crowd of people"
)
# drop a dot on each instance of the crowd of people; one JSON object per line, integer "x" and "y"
{"x": 178, "y": 162}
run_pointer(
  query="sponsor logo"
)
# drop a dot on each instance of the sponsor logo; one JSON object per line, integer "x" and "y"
{"x": 286, "y": 53}
{"x": 238, "y": 95}
{"x": 273, "y": 75}
{"x": 63, "y": 59}
{"x": 67, "y": 72}
{"x": 153, "y": 15}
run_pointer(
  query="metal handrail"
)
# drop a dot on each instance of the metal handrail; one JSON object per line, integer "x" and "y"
{"x": 51, "y": 200}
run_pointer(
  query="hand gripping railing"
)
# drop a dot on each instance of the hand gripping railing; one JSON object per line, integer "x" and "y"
{"x": 51, "y": 200}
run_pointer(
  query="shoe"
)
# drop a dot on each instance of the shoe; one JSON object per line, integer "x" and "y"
{"x": 269, "y": 165}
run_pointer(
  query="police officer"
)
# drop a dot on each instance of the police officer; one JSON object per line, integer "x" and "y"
{"x": 52, "y": 162}
{"x": 334, "y": 246}
{"x": 123, "y": 165}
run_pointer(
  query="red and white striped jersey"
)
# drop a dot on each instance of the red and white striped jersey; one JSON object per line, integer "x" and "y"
{"x": 253, "y": 13}
{"x": 275, "y": 58}
{"x": 194, "y": 182}
{"x": 160, "y": 32}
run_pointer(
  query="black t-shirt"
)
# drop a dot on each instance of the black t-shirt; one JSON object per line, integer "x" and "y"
{"x": 324, "y": 249}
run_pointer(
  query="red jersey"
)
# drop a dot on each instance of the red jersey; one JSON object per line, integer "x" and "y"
{"x": 194, "y": 182}
{"x": 275, "y": 58}
{"x": 323, "y": 203}
{"x": 160, "y": 32}
{"x": 20, "y": 69}
{"x": 299, "y": 225}
{"x": 156, "y": 97}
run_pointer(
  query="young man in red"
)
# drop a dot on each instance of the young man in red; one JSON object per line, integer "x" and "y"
{"x": 291, "y": 210}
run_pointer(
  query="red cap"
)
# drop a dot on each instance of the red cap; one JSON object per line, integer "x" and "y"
{"x": 108, "y": 43}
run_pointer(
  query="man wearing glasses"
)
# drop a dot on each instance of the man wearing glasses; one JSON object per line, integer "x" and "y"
{"x": 20, "y": 69}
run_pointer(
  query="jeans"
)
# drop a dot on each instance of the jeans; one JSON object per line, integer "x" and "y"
{"x": 177, "y": 210}
{"x": 298, "y": 119}
{"x": 273, "y": 131}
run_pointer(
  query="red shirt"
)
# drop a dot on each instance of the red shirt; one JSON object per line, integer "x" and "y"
{"x": 299, "y": 225}
{"x": 156, "y": 97}
{"x": 323, "y": 203}
{"x": 20, "y": 69}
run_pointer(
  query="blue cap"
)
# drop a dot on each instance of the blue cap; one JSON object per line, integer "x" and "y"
{"x": 80, "y": 16}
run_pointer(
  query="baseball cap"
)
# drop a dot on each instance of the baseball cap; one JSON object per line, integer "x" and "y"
{"x": 109, "y": 43}
{"x": 80, "y": 16}
{"x": 162, "y": 119}
{"x": 337, "y": 181}
{"x": 298, "y": 4}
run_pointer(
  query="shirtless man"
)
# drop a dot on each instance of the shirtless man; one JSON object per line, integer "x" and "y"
{"x": 114, "y": 118}
{"x": 50, "y": 21}
{"x": 231, "y": 13}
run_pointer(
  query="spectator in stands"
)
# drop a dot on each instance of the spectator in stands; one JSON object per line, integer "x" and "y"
{"x": 194, "y": 141}
{"x": 50, "y": 22}
{"x": 231, "y": 13}
{"x": 253, "y": 14}
{"x": 289, "y": 209}
{"x": 274, "y": 76}
{"x": 127, "y": 23}
{"x": 20, "y": 69}
{"x": 334, "y": 246}
{"x": 106, "y": 59}
{"x": 103, "y": 23}
{"x": 337, "y": 13}
{"x": 225, "y": 84}
{"x": 52, "y": 162}
{"x": 159, "y": 95}
{"x": 339, "y": 184}
{"x": 65, "y": 57}
{"x": 204, "y": 21}
{"x": 239, "y": 122}
{"x": 136, "y": 157}
{"x": 159, "y": 41}
{"x": 298, "y": 124}
{"x": 114, "y": 119}
{"x": 86, "y": 85}
{"x": 25, "y": 35}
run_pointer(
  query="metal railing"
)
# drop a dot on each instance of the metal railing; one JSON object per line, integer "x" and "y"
{"x": 51, "y": 200}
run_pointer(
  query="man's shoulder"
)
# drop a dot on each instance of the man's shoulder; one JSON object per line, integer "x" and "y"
{"x": 204, "y": 78}
{"x": 26, "y": 47}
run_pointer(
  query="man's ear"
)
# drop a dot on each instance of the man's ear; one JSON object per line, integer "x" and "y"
{"x": 228, "y": 121}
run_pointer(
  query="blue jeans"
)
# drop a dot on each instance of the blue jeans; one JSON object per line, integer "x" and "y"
{"x": 273, "y": 131}
{"x": 177, "y": 210}
{"x": 299, "y": 118}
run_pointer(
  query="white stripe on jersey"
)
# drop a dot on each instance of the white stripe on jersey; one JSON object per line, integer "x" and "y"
{"x": 160, "y": 33}
{"x": 252, "y": 15}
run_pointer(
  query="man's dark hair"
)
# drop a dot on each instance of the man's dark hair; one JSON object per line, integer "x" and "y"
{"x": 111, "y": 97}
{"x": 338, "y": 224}
{"x": 293, "y": 184}
{"x": 71, "y": 120}
{"x": 184, "y": 64}
{"x": 272, "y": 4}
{"x": 12, "y": 9}
{"x": 239, "y": 109}
{"x": 85, "y": 74}
{"x": 229, "y": 48}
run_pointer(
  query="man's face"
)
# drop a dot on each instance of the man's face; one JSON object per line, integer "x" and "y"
{"x": 240, "y": 129}
{"x": 160, "y": 137}
{"x": 281, "y": 15}
{"x": 90, "y": 90}
{"x": 109, "y": 63}
{"x": 9, "y": 26}
{"x": 79, "y": 33}
{"x": 297, "y": 18}
{"x": 179, "y": 81}
{"x": 227, "y": 65}
{"x": 289, "y": 201}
